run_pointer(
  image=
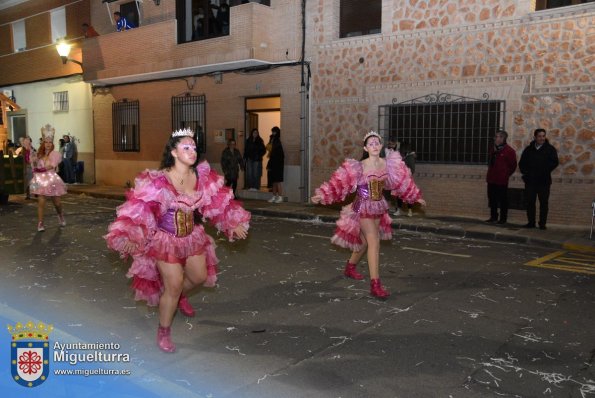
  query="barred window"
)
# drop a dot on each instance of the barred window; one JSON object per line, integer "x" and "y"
{"x": 125, "y": 126}
{"x": 61, "y": 101}
{"x": 188, "y": 111}
{"x": 360, "y": 17}
{"x": 443, "y": 128}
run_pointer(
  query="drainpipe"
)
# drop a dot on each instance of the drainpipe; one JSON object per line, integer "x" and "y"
{"x": 304, "y": 119}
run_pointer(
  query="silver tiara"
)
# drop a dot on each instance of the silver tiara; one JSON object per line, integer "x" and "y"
{"x": 183, "y": 133}
{"x": 372, "y": 133}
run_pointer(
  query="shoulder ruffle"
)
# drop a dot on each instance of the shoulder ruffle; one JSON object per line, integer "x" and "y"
{"x": 342, "y": 182}
{"x": 400, "y": 181}
{"x": 217, "y": 203}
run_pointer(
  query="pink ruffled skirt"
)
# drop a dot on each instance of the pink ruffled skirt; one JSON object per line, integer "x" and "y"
{"x": 47, "y": 183}
{"x": 348, "y": 231}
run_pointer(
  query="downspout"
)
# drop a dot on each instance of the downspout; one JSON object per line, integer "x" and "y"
{"x": 304, "y": 113}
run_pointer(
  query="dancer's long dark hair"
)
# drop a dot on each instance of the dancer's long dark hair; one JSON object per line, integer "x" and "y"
{"x": 167, "y": 160}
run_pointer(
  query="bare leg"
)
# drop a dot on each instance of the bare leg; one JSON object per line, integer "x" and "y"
{"x": 173, "y": 280}
{"x": 370, "y": 228}
{"x": 195, "y": 272}
{"x": 57, "y": 204}
{"x": 40, "y": 207}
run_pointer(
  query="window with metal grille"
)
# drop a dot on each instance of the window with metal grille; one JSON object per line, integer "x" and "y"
{"x": 360, "y": 17}
{"x": 61, "y": 101}
{"x": 444, "y": 128}
{"x": 547, "y": 4}
{"x": 125, "y": 126}
{"x": 189, "y": 111}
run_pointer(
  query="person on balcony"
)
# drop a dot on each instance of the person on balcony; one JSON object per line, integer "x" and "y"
{"x": 89, "y": 31}
{"x": 122, "y": 23}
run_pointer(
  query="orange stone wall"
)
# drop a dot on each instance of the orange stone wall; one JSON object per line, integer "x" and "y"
{"x": 541, "y": 63}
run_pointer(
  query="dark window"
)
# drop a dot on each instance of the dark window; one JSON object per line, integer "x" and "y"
{"x": 125, "y": 119}
{"x": 547, "y": 4}
{"x": 130, "y": 12}
{"x": 189, "y": 112}
{"x": 204, "y": 19}
{"x": 459, "y": 131}
{"x": 360, "y": 17}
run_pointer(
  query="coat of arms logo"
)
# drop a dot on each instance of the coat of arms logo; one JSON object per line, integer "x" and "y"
{"x": 30, "y": 353}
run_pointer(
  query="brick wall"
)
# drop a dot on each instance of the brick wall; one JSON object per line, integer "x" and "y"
{"x": 224, "y": 109}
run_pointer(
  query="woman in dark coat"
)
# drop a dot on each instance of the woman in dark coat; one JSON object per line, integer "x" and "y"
{"x": 275, "y": 165}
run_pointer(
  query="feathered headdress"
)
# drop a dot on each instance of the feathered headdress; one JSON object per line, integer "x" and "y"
{"x": 48, "y": 132}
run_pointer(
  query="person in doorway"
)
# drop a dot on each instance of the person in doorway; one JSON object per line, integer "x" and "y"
{"x": 45, "y": 182}
{"x": 538, "y": 160}
{"x": 156, "y": 226}
{"x": 253, "y": 154}
{"x": 501, "y": 165}
{"x": 365, "y": 221}
{"x": 276, "y": 165}
{"x": 231, "y": 164}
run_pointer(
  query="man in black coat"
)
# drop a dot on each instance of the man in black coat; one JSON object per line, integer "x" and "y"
{"x": 537, "y": 162}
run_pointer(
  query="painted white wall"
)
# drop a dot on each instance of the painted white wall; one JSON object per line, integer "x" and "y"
{"x": 37, "y": 100}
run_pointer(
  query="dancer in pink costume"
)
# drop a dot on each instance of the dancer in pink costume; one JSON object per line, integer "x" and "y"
{"x": 156, "y": 226}
{"x": 45, "y": 182}
{"x": 365, "y": 222}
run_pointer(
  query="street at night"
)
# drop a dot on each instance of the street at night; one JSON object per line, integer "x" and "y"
{"x": 466, "y": 318}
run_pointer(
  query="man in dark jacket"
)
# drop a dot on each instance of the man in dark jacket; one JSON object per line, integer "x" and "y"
{"x": 501, "y": 165}
{"x": 538, "y": 161}
{"x": 231, "y": 163}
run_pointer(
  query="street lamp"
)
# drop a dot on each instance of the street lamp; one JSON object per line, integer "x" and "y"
{"x": 64, "y": 49}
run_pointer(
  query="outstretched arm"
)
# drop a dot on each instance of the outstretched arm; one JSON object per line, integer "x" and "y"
{"x": 342, "y": 183}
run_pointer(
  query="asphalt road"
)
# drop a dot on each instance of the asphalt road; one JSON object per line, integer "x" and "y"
{"x": 466, "y": 318}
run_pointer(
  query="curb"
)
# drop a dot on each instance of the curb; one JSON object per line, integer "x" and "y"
{"x": 447, "y": 230}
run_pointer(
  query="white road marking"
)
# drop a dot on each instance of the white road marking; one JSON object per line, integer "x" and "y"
{"x": 435, "y": 252}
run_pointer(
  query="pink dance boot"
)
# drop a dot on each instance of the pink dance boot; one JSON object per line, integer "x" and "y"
{"x": 376, "y": 289}
{"x": 164, "y": 339}
{"x": 185, "y": 307}
{"x": 350, "y": 272}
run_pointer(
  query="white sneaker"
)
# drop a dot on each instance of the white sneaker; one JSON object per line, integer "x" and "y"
{"x": 272, "y": 200}
{"x": 279, "y": 199}
{"x": 409, "y": 213}
{"x": 397, "y": 212}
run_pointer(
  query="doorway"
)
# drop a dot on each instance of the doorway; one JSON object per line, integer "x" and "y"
{"x": 263, "y": 113}
{"x": 17, "y": 124}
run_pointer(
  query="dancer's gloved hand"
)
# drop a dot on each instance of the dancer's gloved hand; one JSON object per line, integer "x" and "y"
{"x": 316, "y": 199}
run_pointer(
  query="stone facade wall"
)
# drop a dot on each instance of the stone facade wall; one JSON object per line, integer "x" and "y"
{"x": 541, "y": 63}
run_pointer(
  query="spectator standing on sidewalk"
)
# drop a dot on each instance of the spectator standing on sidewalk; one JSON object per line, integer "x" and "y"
{"x": 156, "y": 226}
{"x": 67, "y": 160}
{"x": 538, "y": 160}
{"x": 501, "y": 165}
{"x": 276, "y": 165}
{"x": 365, "y": 222}
{"x": 231, "y": 163}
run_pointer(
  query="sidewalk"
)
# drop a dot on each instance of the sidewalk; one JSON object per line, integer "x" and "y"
{"x": 556, "y": 236}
